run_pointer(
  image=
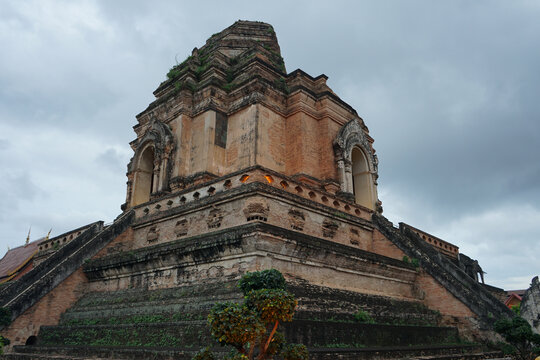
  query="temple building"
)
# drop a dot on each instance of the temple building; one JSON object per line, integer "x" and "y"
{"x": 238, "y": 166}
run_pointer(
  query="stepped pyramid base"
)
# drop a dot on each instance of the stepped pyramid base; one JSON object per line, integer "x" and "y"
{"x": 171, "y": 324}
{"x": 447, "y": 352}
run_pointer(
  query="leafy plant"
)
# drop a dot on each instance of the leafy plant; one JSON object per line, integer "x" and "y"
{"x": 363, "y": 317}
{"x": 266, "y": 279}
{"x": 251, "y": 327}
{"x": 518, "y": 334}
{"x": 235, "y": 324}
{"x": 204, "y": 354}
{"x": 295, "y": 352}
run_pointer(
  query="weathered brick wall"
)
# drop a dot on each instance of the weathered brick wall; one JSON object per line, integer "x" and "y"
{"x": 444, "y": 286}
{"x": 52, "y": 287}
{"x": 123, "y": 242}
{"x": 47, "y": 311}
{"x": 438, "y": 298}
{"x": 239, "y": 206}
{"x": 381, "y": 245}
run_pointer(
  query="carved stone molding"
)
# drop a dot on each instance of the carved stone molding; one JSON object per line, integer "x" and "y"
{"x": 352, "y": 135}
{"x": 297, "y": 219}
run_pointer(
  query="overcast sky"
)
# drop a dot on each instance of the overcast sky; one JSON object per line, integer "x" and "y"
{"x": 449, "y": 90}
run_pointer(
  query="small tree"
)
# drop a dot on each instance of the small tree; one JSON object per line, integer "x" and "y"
{"x": 251, "y": 327}
{"x": 518, "y": 333}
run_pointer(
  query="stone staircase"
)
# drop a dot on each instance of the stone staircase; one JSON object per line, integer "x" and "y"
{"x": 171, "y": 324}
{"x": 20, "y": 295}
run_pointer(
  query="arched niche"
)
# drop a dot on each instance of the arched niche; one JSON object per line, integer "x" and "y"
{"x": 357, "y": 165}
{"x": 149, "y": 170}
{"x": 144, "y": 176}
{"x": 362, "y": 184}
{"x": 32, "y": 340}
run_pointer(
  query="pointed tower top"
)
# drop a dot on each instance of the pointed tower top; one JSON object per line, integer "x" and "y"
{"x": 244, "y": 35}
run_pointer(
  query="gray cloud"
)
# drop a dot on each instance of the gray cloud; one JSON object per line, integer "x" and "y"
{"x": 112, "y": 159}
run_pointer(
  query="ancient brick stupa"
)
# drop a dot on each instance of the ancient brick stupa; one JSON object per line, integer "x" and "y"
{"x": 240, "y": 166}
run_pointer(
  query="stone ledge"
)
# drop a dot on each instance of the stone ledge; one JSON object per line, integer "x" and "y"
{"x": 209, "y": 246}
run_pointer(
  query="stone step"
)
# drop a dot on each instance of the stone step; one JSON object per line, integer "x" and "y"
{"x": 196, "y": 309}
{"x": 133, "y": 296}
{"x": 102, "y": 352}
{"x": 445, "y": 352}
{"x": 327, "y": 334}
{"x": 433, "y": 352}
{"x": 315, "y": 303}
{"x": 188, "y": 334}
{"x": 326, "y": 303}
{"x": 194, "y": 334}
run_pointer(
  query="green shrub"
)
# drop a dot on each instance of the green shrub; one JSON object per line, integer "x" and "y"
{"x": 204, "y": 354}
{"x": 363, "y": 317}
{"x": 235, "y": 355}
{"x": 272, "y": 304}
{"x": 235, "y": 324}
{"x": 266, "y": 279}
{"x": 295, "y": 352}
{"x": 251, "y": 327}
{"x": 518, "y": 333}
{"x": 276, "y": 344}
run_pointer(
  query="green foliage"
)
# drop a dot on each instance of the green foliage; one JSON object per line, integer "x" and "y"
{"x": 272, "y": 304}
{"x": 415, "y": 263}
{"x": 178, "y": 69}
{"x": 518, "y": 333}
{"x": 235, "y": 324}
{"x": 266, "y": 279}
{"x": 204, "y": 354}
{"x": 230, "y": 86}
{"x": 363, "y": 317}
{"x": 516, "y": 309}
{"x": 200, "y": 70}
{"x": 136, "y": 319}
{"x": 230, "y": 76}
{"x": 3, "y": 342}
{"x": 174, "y": 72}
{"x": 406, "y": 259}
{"x": 276, "y": 344}
{"x": 506, "y": 348}
{"x": 5, "y": 316}
{"x": 281, "y": 84}
{"x": 295, "y": 352}
{"x": 181, "y": 85}
{"x": 251, "y": 327}
{"x": 235, "y": 355}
